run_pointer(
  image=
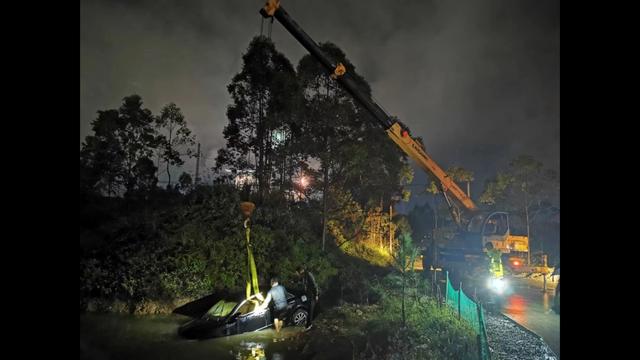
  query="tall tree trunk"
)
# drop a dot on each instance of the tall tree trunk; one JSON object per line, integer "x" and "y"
{"x": 260, "y": 167}
{"x": 168, "y": 174}
{"x": 158, "y": 164}
{"x": 390, "y": 226}
{"x": 379, "y": 227}
{"x": 170, "y": 148}
{"x": 404, "y": 266}
{"x": 325, "y": 193}
{"x": 268, "y": 161}
{"x": 283, "y": 161}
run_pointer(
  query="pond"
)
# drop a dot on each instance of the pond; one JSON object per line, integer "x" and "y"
{"x": 115, "y": 336}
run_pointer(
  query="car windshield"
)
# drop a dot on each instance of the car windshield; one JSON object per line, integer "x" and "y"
{"x": 247, "y": 306}
{"x": 221, "y": 308}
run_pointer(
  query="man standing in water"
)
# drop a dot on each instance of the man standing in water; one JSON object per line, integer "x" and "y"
{"x": 278, "y": 294}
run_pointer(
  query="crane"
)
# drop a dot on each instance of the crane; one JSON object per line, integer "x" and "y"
{"x": 475, "y": 227}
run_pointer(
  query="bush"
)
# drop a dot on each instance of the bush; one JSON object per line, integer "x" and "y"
{"x": 144, "y": 271}
{"x": 195, "y": 246}
{"x": 432, "y": 331}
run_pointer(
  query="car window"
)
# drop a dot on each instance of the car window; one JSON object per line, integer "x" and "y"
{"x": 246, "y": 308}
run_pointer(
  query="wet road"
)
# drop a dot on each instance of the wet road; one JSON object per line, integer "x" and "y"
{"x": 530, "y": 307}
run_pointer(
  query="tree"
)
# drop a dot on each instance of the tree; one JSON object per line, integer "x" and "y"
{"x": 353, "y": 154}
{"x": 177, "y": 139}
{"x": 102, "y": 156}
{"x": 525, "y": 189}
{"x": 115, "y": 157}
{"x": 185, "y": 183}
{"x": 457, "y": 174}
{"x": 137, "y": 137}
{"x": 145, "y": 173}
{"x": 264, "y": 95}
{"x": 422, "y": 221}
{"x": 496, "y": 190}
{"x": 405, "y": 258}
{"x": 443, "y": 227}
{"x": 460, "y": 174}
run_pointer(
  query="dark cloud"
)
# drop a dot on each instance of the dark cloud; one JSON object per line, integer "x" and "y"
{"x": 478, "y": 80}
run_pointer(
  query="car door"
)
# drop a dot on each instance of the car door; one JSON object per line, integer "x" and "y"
{"x": 254, "y": 320}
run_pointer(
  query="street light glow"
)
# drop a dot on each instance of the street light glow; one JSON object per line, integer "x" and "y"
{"x": 303, "y": 181}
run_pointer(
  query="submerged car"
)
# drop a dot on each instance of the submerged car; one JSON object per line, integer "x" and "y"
{"x": 227, "y": 318}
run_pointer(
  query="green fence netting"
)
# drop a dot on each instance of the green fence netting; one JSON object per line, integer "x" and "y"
{"x": 451, "y": 295}
{"x": 472, "y": 312}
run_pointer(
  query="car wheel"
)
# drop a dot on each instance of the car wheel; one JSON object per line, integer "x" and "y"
{"x": 300, "y": 317}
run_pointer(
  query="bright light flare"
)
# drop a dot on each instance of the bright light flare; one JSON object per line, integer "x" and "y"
{"x": 303, "y": 181}
{"x": 497, "y": 285}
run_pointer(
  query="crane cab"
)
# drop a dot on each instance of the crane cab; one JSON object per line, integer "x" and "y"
{"x": 495, "y": 228}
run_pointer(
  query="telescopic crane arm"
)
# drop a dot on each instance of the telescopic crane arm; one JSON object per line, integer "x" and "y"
{"x": 395, "y": 131}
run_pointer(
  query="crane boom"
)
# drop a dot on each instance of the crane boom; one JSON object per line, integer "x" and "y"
{"x": 394, "y": 130}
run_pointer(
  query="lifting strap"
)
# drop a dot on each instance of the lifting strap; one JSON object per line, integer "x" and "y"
{"x": 251, "y": 273}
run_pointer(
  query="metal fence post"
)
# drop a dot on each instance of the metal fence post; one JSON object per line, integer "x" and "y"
{"x": 483, "y": 332}
{"x": 480, "y": 345}
{"x": 459, "y": 298}
{"x": 446, "y": 289}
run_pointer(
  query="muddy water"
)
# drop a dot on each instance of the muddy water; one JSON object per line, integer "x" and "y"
{"x": 111, "y": 336}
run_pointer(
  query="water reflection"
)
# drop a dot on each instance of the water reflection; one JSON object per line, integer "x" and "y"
{"x": 263, "y": 345}
{"x": 251, "y": 351}
{"x": 255, "y": 351}
{"x": 516, "y": 308}
{"x": 155, "y": 337}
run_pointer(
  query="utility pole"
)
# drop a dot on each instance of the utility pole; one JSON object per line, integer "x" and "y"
{"x": 197, "y": 180}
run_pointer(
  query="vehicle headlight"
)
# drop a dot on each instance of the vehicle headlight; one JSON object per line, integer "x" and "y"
{"x": 497, "y": 284}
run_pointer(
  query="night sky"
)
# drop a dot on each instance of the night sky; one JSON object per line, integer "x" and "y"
{"x": 478, "y": 80}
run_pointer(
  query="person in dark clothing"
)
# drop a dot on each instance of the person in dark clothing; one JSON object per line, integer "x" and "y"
{"x": 310, "y": 288}
{"x": 278, "y": 294}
